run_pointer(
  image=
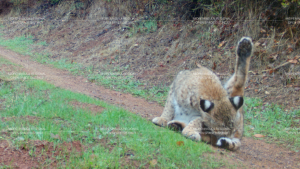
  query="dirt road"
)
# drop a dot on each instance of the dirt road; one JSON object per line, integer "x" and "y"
{"x": 253, "y": 154}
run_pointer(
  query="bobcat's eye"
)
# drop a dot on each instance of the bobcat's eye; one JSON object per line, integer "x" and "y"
{"x": 206, "y": 105}
{"x": 237, "y": 102}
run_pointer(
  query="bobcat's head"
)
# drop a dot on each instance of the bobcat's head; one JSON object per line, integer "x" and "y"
{"x": 224, "y": 113}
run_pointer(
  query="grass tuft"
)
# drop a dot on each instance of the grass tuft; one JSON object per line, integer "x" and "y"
{"x": 273, "y": 122}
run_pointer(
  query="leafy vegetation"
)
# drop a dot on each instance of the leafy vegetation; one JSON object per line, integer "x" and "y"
{"x": 144, "y": 26}
{"x": 20, "y": 2}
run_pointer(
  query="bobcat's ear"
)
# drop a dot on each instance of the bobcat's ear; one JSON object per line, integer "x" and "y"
{"x": 237, "y": 102}
{"x": 206, "y": 105}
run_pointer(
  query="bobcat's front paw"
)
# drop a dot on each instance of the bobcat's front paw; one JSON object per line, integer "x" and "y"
{"x": 231, "y": 144}
{"x": 160, "y": 121}
{"x": 191, "y": 134}
{"x": 223, "y": 142}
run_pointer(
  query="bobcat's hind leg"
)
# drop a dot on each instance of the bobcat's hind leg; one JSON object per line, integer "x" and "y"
{"x": 235, "y": 85}
{"x": 168, "y": 113}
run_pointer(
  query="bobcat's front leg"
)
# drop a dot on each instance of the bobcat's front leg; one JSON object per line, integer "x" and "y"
{"x": 193, "y": 129}
{"x": 168, "y": 113}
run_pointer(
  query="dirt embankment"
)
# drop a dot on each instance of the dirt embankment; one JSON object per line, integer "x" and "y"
{"x": 77, "y": 33}
{"x": 155, "y": 45}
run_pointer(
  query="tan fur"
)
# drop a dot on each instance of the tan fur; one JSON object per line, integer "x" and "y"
{"x": 205, "y": 110}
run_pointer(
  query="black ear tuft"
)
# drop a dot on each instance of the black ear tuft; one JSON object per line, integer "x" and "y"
{"x": 237, "y": 101}
{"x": 206, "y": 105}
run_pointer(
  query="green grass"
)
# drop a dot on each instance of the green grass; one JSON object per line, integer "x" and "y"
{"x": 54, "y": 115}
{"x": 113, "y": 79}
{"x": 18, "y": 44}
{"x": 6, "y": 62}
{"x": 116, "y": 80}
{"x": 273, "y": 122}
{"x": 144, "y": 26}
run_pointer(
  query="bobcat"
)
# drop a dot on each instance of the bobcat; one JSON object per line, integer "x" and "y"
{"x": 203, "y": 109}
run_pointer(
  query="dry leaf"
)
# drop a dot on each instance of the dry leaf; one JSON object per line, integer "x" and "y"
{"x": 257, "y": 44}
{"x": 214, "y": 66}
{"x": 263, "y": 31}
{"x": 180, "y": 143}
{"x": 273, "y": 56}
{"x": 161, "y": 64}
{"x": 222, "y": 43}
{"x": 153, "y": 162}
{"x": 289, "y": 50}
{"x": 292, "y": 61}
{"x": 259, "y": 135}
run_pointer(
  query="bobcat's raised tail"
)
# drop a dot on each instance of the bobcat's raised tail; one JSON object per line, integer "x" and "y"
{"x": 203, "y": 109}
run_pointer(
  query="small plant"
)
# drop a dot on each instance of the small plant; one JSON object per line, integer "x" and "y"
{"x": 145, "y": 26}
{"x": 19, "y": 2}
{"x": 43, "y": 43}
{"x": 31, "y": 153}
{"x": 287, "y": 3}
{"x": 54, "y": 2}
